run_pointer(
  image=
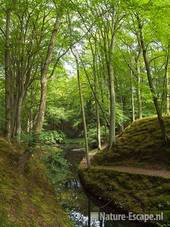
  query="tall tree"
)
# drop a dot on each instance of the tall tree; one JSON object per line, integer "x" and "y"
{"x": 7, "y": 75}
{"x": 44, "y": 76}
{"x": 150, "y": 81}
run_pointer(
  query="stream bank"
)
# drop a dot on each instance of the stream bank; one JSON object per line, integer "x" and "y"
{"x": 80, "y": 204}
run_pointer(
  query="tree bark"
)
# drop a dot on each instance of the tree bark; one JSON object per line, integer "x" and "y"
{"x": 168, "y": 95}
{"x": 151, "y": 86}
{"x": 96, "y": 88}
{"x": 7, "y": 77}
{"x": 44, "y": 80}
{"x": 139, "y": 100}
{"x": 18, "y": 117}
{"x": 132, "y": 98}
{"x": 122, "y": 107}
{"x": 112, "y": 131}
{"x": 98, "y": 121}
{"x": 83, "y": 113}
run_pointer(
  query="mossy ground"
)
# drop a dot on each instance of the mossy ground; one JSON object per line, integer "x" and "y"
{"x": 26, "y": 199}
{"x": 140, "y": 144}
{"x": 128, "y": 192}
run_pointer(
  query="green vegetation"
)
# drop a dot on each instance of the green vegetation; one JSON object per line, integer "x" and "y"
{"x": 128, "y": 192}
{"x": 51, "y": 137}
{"x": 78, "y": 69}
{"x": 58, "y": 168}
{"x": 4, "y": 222}
{"x": 139, "y": 145}
{"x": 82, "y": 66}
{"x": 26, "y": 199}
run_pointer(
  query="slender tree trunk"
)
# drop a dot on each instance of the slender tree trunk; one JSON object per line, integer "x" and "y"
{"x": 132, "y": 98}
{"x": 98, "y": 126}
{"x": 42, "y": 106}
{"x": 112, "y": 132}
{"x": 167, "y": 85}
{"x": 151, "y": 86}
{"x": 139, "y": 100}
{"x": 165, "y": 92}
{"x": 122, "y": 105}
{"x": 96, "y": 87}
{"x": 94, "y": 94}
{"x": 18, "y": 117}
{"x": 83, "y": 113}
{"x": 168, "y": 95}
{"x": 44, "y": 80}
{"x": 7, "y": 78}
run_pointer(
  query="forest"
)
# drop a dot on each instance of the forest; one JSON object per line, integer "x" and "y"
{"x": 86, "y": 76}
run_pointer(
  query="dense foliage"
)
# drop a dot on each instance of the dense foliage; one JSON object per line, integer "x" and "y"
{"x": 58, "y": 168}
{"x": 121, "y": 49}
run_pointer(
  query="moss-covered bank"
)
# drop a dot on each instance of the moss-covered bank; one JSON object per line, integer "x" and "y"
{"x": 140, "y": 144}
{"x": 128, "y": 192}
{"x": 26, "y": 200}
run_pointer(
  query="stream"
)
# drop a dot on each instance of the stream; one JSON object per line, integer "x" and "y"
{"x": 81, "y": 208}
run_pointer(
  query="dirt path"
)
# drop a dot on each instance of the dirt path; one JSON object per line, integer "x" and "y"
{"x": 135, "y": 170}
{"x": 129, "y": 169}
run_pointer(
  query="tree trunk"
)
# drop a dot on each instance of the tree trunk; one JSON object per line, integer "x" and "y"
{"x": 167, "y": 95}
{"x": 96, "y": 87}
{"x": 132, "y": 98}
{"x": 42, "y": 105}
{"x": 18, "y": 117}
{"x": 7, "y": 78}
{"x": 139, "y": 101}
{"x": 112, "y": 132}
{"x": 122, "y": 105}
{"x": 151, "y": 86}
{"x": 98, "y": 126}
{"x": 44, "y": 80}
{"x": 83, "y": 113}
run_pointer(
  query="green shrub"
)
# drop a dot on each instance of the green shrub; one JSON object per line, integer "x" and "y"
{"x": 45, "y": 137}
{"x": 51, "y": 137}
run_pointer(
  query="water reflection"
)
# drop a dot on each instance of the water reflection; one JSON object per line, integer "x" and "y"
{"x": 72, "y": 184}
{"x": 82, "y": 220}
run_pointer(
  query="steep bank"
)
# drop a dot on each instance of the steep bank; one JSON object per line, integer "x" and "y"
{"x": 140, "y": 145}
{"x": 26, "y": 200}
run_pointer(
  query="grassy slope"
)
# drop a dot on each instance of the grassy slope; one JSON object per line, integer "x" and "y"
{"x": 139, "y": 145}
{"x": 26, "y": 200}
